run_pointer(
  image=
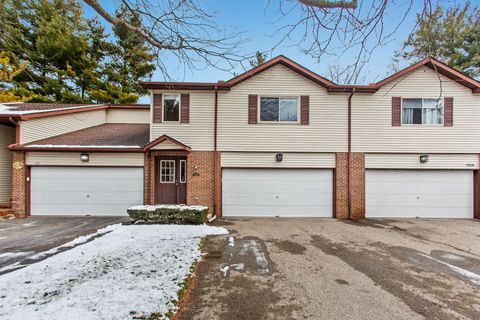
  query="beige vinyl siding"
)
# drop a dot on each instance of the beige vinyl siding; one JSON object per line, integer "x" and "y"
{"x": 412, "y": 161}
{"x": 372, "y": 129}
{"x": 109, "y": 159}
{"x": 128, "y": 115}
{"x": 267, "y": 160}
{"x": 198, "y": 134}
{"x": 327, "y": 131}
{"x": 7, "y": 137}
{"x": 41, "y": 128}
{"x": 167, "y": 145}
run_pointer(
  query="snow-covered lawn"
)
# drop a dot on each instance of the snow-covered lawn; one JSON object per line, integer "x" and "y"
{"x": 131, "y": 272}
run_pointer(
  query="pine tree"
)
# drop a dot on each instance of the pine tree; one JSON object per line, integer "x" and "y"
{"x": 71, "y": 58}
{"x": 452, "y": 36}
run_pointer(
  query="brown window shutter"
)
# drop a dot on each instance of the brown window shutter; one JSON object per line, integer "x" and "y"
{"x": 305, "y": 110}
{"x": 396, "y": 111}
{"x": 252, "y": 108}
{"x": 185, "y": 108}
{"x": 448, "y": 112}
{"x": 157, "y": 107}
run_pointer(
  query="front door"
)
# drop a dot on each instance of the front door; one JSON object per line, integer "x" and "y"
{"x": 171, "y": 180}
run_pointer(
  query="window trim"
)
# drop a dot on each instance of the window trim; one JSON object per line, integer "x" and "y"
{"x": 422, "y": 124}
{"x": 179, "y": 106}
{"x": 259, "y": 106}
{"x": 183, "y": 178}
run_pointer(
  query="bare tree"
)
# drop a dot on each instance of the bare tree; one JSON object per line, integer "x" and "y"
{"x": 182, "y": 28}
{"x": 332, "y": 28}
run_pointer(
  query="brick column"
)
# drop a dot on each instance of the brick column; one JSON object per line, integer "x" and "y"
{"x": 357, "y": 176}
{"x": 357, "y": 186}
{"x": 19, "y": 184}
{"x": 147, "y": 169}
{"x": 341, "y": 186}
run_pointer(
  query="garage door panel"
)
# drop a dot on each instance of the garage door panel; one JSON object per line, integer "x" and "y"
{"x": 277, "y": 192}
{"x": 419, "y": 193}
{"x": 81, "y": 190}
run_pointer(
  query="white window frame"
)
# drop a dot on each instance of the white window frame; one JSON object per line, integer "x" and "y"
{"x": 179, "y": 107}
{"x": 174, "y": 171}
{"x": 259, "y": 109}
{"x": 180, "y": 173}
{"x": 423, "y": 124}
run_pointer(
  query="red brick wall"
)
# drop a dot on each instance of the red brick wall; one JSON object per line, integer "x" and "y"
{"x": 357, "y": 185}
{"x": 19, "y": 190}
{"x": 341, "y": 186}
{"x": 201, "y": 189}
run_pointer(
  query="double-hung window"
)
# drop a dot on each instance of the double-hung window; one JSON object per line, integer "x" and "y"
{"x": 171, "y": 107}
{"x": 422, "y": 111}
{"x": 279, "y": 109}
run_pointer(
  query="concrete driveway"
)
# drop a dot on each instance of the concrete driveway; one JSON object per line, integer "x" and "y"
{"x": 20, "y": 239}
{"x": 330, "y": 269}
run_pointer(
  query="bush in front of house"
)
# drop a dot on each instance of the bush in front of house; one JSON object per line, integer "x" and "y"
{"x": 169, "y": 214}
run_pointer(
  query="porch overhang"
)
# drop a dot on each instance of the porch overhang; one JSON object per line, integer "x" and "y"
{"x": 165, "y": 142}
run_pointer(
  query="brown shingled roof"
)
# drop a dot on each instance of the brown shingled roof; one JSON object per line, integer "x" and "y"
{"x": 31, "y": 106}
{"x": 109, "y": 134}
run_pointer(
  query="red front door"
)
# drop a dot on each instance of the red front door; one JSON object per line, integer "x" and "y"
{"x": 171, "y": 180}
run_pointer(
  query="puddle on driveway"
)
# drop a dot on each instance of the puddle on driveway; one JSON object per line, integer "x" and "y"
{"x": 246, "y": 254}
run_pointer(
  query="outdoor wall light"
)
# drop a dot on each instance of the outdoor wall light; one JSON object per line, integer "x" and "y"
{"x": 84, "y": 157}
{"x": 424, "y": 158}
{"x": 279, "y": 157}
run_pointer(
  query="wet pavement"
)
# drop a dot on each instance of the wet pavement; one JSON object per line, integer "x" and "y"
{"x": 331, "y": 269}
{"x": 21, "y": 239}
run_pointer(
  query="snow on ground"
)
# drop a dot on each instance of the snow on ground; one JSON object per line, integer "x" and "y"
{"x": 132, "y": 271}
{"x": 37, "y": 256}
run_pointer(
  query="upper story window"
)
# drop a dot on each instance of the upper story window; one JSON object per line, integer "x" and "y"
{"x": 171, "y": 107}
{"x": 275, "y": 109}
{"x": 422, "y": 111}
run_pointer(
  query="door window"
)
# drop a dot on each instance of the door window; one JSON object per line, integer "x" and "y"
{"x": 167, "y": 171}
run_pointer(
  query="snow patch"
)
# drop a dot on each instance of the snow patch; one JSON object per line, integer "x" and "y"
{"x": 475, "y": 278}
{"x": 253, "y": 247}
{"x": 79, "y": 146}
{"x": 453, "y": 257}
{"x": 179, "y": 207}
{"x": 8, "y": 109}
{"x": 224, "y": 270}
{"x": 10, "y": 255}
{"x": 128, "y": 273}
{"x": 231, "y": 242}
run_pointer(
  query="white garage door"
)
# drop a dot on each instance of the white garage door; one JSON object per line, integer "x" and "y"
{"x": 415, "y": 193}
{"x": 83, "y": 190}
{"x": 277, "y": 192}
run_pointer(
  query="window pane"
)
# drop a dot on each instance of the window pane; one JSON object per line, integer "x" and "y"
{"x": 432, "y": 111}
{"x": 167, "y": 171}
{"x": 432, "y": 116}
{"x": 269, "y": 109}
{"x": 183, "y": 171}
{"x": 412, "y": 103}
{"x": 433, "y": 103}
{"x": 171, "y": 108}
{"x": 288, "y": 109}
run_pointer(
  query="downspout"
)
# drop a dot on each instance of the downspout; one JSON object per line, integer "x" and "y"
{"x": 215, "y": 160}
{"x": 349, "y": 155}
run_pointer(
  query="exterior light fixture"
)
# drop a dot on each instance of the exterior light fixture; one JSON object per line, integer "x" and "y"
{"x": 424, "y": 158}
{"x": 279, "y": 157}
{"x": 84, "y": 157}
